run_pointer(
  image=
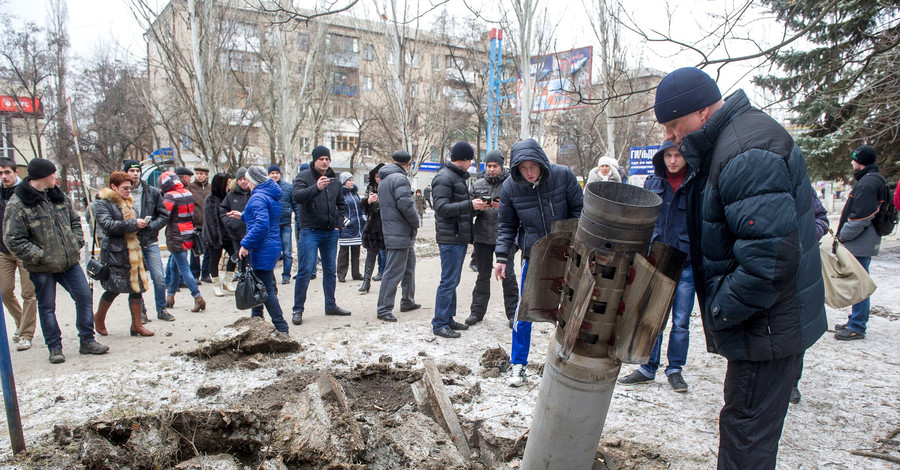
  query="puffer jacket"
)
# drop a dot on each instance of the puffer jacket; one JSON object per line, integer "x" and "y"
{"x": 152, "y": 205}
{"x": 351, "y": 233}
{"x": 528, "y": 210}
{"x": 235, "y": 200}
{"x": 214, "y": 235}
{"x": 120, "y": 249}
{"x": 323, "y": 210}
{"x": 453, "y": 209}
{"x": 754, "y": 249}
{"x": 671, "y": 225}
{"x": 855, "y": 229}
{"x": 199, "y": 192}
{"x": 262, "y": 216}
{"x": 41, "y": 229}
{"x": 288, "y": 206}
{"x": 484, "y": 230}
{"x": 399, "y": 220}
{"x": 180, "y": 206}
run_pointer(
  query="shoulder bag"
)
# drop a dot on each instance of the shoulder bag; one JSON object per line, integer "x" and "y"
{"x": 250, "y": 291}
{"x": 95, "y": 268}
{"x": 846, "y": 281}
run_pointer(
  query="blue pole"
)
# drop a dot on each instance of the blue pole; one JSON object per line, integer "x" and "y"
{"x": 491, "y": 94}
{"x": 9, "y": 390}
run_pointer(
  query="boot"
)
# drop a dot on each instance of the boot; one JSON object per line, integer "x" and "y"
{"x": 137, "y": 329}
{"x": 367, "y": 282}
{"x": 199, "y": 304}
{"x": 217, "y": 287}
{"x": 100, "y": 317}
{"x": 227, "y": 283}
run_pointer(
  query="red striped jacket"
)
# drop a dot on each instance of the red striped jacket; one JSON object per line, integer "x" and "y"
{"x": 180, "y": 204}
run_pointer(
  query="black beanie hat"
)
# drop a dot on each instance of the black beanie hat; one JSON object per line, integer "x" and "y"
{"x": 320, "y": 151}
{"x": 39, "y": 168}
{"x": 495, "y": 156}
{"x": 462, "y": 151}
{"x": 684, "y": 91}
{"x": 274, "y": 168}
{"x": 129, "y": 164}
{"x": 401, "y": 156}
{"x": 864, "y": 155}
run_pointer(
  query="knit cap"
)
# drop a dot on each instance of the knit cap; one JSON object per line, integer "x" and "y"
{"x": 345, "y": 176}
{"x": 257, "y": 175}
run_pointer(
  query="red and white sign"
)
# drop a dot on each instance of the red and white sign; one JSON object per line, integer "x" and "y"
{"x": 18, "y": 104}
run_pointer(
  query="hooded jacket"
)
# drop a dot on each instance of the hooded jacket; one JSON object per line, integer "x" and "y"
{"x": 671, "y": 225}
{"x": 41, "y": 229}
{"x": 399, "y": 219}
{"x": 855, "y": 229}
{"x": 120, "y": 249}
{"x": 351, "y": 233}
{"x": 179, "y": 204}
{"x": 319, "y": 209}
{"x": 754, "y": 249}
{"x": 484, "y": 230}
{"x": 262, "y": 217}
{"x": 594, "y": 174}
{"x": 453, "y": 209}
{"x": 235, "y": 200}
{"x": 527, "y": 210}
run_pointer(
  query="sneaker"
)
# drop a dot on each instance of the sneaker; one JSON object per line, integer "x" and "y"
{"x": 297, "y": 318}
{"x": 92, "y": 347}
{"x": 56, "y": 356}
{"x": 848, "y": 335}
{"x": 24, "y": 344}
{"x": 634, "y": 378}
{"x": 446, "y": 332}
{"x": 285, "y": 280}
{"x": 164, "y": 315}
{"x": 458, "y": 326}
{"x": 517, "y": 375}
{"x": 15, "y": 336}
{"x": 677, "y": 382}
{"x": 840, "y": 326}
{"x": 795, "y": 395}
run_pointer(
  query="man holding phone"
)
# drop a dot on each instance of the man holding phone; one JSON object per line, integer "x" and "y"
{"x": 322, "y": 211}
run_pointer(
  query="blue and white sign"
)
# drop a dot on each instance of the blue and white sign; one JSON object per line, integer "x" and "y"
{"x": 640, "y": 164}
{"x": 428, "y": 166}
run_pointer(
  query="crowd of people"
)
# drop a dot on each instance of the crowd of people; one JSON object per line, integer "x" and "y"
{"x": 742, "y": 209}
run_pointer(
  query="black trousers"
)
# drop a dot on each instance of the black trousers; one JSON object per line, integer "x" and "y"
{"x": 481, "y": 294}
{"x": 215, "y": 257}
{"x": 756, "y": 402}
{"x": 348, "y": 257}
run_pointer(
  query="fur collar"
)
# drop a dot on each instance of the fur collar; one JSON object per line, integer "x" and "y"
{"x": 31, "y": 197}
{"x": 112, "y": 196}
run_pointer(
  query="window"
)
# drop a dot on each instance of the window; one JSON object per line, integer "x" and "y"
{"x": 344, "y": 143}
{"x": 367, "y": 150}
{"x": 369, "y": 52}
{"x": 414, "y": 90}
{"x": 6, "y": 139}
{"x": 341, "y": 43}
{"x": 412, "y": 59}
{"x": 390, "y": 58}
{"x": 341, "y": 109}
{"x": 368, "y": 83}
{"x": 436, "y": 62}
{"x": 303, "y": 41}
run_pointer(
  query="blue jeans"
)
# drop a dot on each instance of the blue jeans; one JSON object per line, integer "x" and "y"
{"x": 521, "y": 335}
{"x": 74, "y": 282}
{"x": 287, "y": 256}
{"x": 680, "y": 335}
{"x": 859, "y": 313}
{"x": 325, "y": 243}
{"x": 153, "y": 262}
{"x": 272, "y": 305}
{"x": 181, "y": 271}
{"x": 452, "y": 258}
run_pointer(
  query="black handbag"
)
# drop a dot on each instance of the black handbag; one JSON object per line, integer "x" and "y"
{"x": 95, "y": 268}
{"x": 250, "y": 291}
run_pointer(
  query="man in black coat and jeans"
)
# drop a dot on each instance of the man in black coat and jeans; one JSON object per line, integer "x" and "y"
{"x": 754, "y": 255}
{"x": 453, "y": 212}
{"x": 484, "y": 234}
{"x": 322, "y": 211}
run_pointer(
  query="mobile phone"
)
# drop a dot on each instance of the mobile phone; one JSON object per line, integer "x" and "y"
{"x": 486, "y": 199}
{"x": 148, "y": 218}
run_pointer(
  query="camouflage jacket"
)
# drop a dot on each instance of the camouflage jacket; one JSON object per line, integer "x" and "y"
{"x": 42, "y": 229}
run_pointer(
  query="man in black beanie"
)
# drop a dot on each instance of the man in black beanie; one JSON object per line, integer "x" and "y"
{"x": 453, "y": 212}
{"x": 756, "y": 265}
{"x": 45, "y": 233}
{"x": 856, "y": 232}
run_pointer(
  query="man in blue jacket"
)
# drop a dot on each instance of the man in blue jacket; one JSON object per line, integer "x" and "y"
{"x": 754, "y": 254}
{"x": 536, "y": 194}
{"x": 669, "y": 180}
{"x": 287, "y": 208}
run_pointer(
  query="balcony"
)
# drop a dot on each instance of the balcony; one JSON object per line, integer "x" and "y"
{"x": 345, "y": 90}
{"x": 343, "y": 59}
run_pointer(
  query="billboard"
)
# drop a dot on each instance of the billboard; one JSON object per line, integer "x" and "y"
{"x": 640, "y": 164}
{"x": 554, "y": 75}
{"x": 20, "y": 105}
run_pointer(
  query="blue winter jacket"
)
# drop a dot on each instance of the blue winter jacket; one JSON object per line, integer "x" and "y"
{"x": 355, "y": 218}
{"x": 262, "y": 216}
{"x": 671, "y": 225}
{"x": 754, "y": 248}
{"x": 288, "y": 205}
{"x": 527, "y": 210}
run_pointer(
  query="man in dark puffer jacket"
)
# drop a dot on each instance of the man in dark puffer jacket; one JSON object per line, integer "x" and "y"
{"x": 453, "y": 211}
{"x": 754, "y": 253}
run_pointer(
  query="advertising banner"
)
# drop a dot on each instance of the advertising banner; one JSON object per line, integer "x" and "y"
{"x": 640, "y": 164}
{"x": 554, "y": 76}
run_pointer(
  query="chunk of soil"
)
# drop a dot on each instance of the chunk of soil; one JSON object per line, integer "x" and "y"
{"x": 494, "y": 361}
{"x": 245, "y": 337}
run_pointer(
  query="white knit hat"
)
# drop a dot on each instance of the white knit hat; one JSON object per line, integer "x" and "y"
{"x": 257, "y": 175}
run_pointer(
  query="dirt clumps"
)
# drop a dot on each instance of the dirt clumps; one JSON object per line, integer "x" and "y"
{"x": 233, "y": 344}
{"x": 495, "y": 361}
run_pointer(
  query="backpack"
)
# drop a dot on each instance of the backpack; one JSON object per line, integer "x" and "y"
{"x": 886, "y": 218}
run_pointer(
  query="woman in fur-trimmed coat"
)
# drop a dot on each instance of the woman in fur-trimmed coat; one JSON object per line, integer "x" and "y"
{"x": 121, "y": 252}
